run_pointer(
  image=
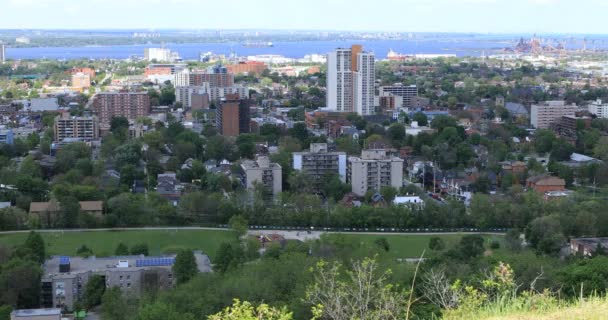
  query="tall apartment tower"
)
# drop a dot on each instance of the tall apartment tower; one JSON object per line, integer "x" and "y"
{"x": 233, "y": 116}
{"x": 373, "y": 170}
{"x": 351, "y": 75}
{"x": 197, "y": 78}
{"x": 2, "y": 53}
{"x": 130, "y": 105}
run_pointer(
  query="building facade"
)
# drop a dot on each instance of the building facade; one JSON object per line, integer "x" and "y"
{"x": 85, "y": 128}
{"x": 405, "y": 92}
{"x": 373, "y": 170}
{"x": 598, "y": 108}
{"x": 64, "y": 279}
{"x": 264, "y": 173}
{"x": 248, "y": 67}
{"x": 183, "y": 94}
{"x": 351, "y": 76}
{"x": 197, "y": 78}
{"x": 130, "y": 105}
{"x": 159, "y": 54}
{"x": 544, "y": 114}
{"x": 2, "y": 53}
{"x": 233, "y": 116}
{"x": 36, "y": 314}
{"x": 81, "y": 80}
{"x": 318, "y": 162}
{"x": 7, "y": 136}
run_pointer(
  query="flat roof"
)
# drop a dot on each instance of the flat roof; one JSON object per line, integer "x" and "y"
{"x": 80, "y": 265}
{"x": 36, "y": 312}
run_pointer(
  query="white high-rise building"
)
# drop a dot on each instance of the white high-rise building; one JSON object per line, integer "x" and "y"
{"x": 351, "y": 75}
{"x": 598, "y": 108}
{"x": 160, "y": 54}
{"x": 2, "y": 53}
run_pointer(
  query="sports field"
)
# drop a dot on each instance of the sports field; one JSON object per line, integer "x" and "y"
{"x": 103, "y": 243}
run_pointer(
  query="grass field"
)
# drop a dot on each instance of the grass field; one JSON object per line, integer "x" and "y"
{"x": 103, "y": 243}
{"x": 411, "y": 246}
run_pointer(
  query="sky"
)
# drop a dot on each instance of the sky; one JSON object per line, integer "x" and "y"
{"x": 482, "y": 16}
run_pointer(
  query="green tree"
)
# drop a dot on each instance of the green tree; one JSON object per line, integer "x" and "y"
{"x": 93, "y": 291}
{"x": 35, "y": 245}
{"x": 162, "y": 311}
{"x": 84, "y": 251}
{"x": 471, "y": 246}
{"x": 362, "y": 292}
{"x": 388, "y": 193}
{"x": 383, "y": 244}
{"x": 121, "y": 250}
{"x": 115, "y": 306}
{"x": 185, "y": 267}
{"x": 436, "y": 244}
{"x": 239, "y": 224}
{"x": 20, "y": 284}
{"x": 545, "y": 234}
{"x": 396, "y": 132}
{"x": 141, "y": 248}
{"x": 5, "y": 312}
{"x": 421, "y": 118}
{"x": 246, "y": 311}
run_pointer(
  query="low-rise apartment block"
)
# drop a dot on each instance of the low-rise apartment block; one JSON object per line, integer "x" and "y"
{"x": 262, "y": 172}
{"x": 544, "y": 114}
{"x": 64, "y": 278}
{"x": 375, "y": 169}
{"x": 318, "y": 162}
{"x": 82, "y": 128}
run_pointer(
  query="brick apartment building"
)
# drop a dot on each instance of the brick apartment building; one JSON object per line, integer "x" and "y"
{"x": 249, "y": 67}
{"x": 233, "y": 116}
{"x": 130, "y": 105}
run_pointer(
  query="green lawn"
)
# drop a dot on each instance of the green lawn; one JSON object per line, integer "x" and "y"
{"x": 103, "y": 243}
{"x": 411, "y": 246}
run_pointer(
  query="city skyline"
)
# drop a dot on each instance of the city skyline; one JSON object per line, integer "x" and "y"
{"x": 483, "y": 16}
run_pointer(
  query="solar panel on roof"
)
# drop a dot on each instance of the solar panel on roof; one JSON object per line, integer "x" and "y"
{"x": 154, "y": 262}
{"x": 64, "y": 260}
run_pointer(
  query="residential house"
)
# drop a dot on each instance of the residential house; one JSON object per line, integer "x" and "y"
{"x": 545, "y": 183}
{"x": 168, "y": 187}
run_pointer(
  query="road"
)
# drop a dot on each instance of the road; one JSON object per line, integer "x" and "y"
{"x": 288, "y": 234}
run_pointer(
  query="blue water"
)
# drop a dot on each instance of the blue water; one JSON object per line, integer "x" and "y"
{"x": 288, "y": 49}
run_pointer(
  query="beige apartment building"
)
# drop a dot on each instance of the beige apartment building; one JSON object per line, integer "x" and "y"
{"x": 263, "y": 172}
{"x": 544, "y": 114}
{"x": 85, "y": 128}
{"x": 81, "y": 80}
{"x": 373, "y": 170}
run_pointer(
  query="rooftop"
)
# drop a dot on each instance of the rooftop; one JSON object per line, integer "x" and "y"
{"x": 36, "y": 312}
{"x": 100, "y": 264}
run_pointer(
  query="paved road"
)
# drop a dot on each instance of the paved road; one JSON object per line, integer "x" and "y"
{"x": 299, "y": 235}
